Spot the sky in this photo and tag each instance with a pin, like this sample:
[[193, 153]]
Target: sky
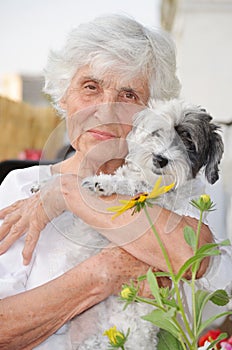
[[30, 28]]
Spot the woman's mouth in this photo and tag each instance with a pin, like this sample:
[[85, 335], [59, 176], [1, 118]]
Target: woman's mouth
[[101, 135]]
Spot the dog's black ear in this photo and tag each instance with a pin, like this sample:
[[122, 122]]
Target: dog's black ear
[[216, 149], [202, 141]]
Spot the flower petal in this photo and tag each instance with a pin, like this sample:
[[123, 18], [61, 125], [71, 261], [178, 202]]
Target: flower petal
[[140, 199], [157, 191]]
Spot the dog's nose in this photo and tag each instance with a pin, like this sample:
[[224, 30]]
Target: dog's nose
[[159, 161]]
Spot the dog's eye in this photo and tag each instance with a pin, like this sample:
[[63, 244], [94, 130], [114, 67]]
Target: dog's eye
[[159, 161]]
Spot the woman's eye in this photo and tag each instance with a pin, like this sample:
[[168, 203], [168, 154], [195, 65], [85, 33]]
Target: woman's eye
[[127, 95], [130, 95], [90, 87]]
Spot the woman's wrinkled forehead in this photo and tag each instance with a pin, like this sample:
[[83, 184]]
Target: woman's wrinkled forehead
[[122, 71]]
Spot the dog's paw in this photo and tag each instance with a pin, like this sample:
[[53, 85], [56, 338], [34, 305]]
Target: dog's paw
[[102, 185], [93, 185]]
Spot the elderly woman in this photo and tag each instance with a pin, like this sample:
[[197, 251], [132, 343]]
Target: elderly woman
[[108, 70]]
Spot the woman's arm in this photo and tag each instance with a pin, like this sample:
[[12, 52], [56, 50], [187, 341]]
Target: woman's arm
[[29, 318], [132, 233]]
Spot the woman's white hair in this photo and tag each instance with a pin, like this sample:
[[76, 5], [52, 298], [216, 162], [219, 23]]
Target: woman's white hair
[[115, 43]]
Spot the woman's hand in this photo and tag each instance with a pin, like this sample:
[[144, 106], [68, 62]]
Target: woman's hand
[[30, 216]]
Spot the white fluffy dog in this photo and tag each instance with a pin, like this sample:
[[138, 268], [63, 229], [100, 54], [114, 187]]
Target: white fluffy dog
[[176, 140]]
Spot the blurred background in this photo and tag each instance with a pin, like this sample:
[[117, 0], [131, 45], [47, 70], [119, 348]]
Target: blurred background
[[202, 30]]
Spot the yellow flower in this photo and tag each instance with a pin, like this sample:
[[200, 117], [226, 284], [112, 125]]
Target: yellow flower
[[140, 199], [126, 293], [205, 198], [203, 203], [112, 334]]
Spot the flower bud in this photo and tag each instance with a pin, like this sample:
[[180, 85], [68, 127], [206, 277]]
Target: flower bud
[[116, 338], [205, 198], [126, 293]]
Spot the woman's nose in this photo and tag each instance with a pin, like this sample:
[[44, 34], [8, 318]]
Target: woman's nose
[[109, 96], [107, 112]]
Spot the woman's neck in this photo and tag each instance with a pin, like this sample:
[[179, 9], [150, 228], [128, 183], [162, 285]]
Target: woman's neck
[[83, 167]]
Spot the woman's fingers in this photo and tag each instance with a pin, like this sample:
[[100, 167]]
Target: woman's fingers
[[37, 223], [8, 222], [18, 219], [11, 208], [11, 231], [13, 224], [39, 219], [31, 240]]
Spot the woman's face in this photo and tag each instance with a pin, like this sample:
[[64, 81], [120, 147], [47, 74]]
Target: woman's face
[[100, 109]]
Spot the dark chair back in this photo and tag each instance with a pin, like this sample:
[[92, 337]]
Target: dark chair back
[[8, 165]]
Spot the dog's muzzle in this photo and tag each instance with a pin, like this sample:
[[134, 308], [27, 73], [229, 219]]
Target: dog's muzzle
[[159, 161]]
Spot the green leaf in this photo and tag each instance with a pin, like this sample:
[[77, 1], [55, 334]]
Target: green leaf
[[195, 204], [142, 278], [207, 247], [190, 236], [167, 341], [172, 303], [220, 297], [196, 258], [153, 284], [224, 243], [162, 274], [210, 320], [157, 274], [163, 320], [201, 298], [164, 292]]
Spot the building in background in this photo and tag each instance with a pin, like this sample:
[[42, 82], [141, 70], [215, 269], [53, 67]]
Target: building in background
[[26, 88], [11, 86], [32, 93]]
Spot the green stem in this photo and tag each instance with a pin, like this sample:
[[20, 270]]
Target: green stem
[[146, 301], [183, 344], [184, 337], [169, 266], [194, 272], [165, 254], [198, 230]]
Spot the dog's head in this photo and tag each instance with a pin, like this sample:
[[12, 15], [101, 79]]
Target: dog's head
[[176, 140]]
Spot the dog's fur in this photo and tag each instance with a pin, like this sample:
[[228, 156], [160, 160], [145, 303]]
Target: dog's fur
[[176, 140]]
